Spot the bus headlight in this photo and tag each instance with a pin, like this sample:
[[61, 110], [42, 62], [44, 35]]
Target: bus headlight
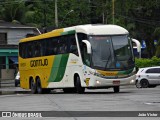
[[132, 81], [97, 81]]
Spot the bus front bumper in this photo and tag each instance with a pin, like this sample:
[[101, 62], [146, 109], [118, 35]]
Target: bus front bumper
[[96, 81]]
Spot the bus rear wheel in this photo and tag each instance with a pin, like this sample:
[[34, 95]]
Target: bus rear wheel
[[116, 89], [33, 87], [39, 87], [41, 90], [78, 86]]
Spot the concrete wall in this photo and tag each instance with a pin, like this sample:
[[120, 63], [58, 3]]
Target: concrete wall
[[7, 73], [14, 35]]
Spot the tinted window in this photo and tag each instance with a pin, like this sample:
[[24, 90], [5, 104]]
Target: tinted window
[[63, 45], [50, 46], [83, 48], [153, 70], [22, 50], [73, 45]]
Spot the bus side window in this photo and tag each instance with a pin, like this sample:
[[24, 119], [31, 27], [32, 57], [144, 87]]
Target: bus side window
[[29, 50], [83, 49], [54, 47], [62, 44], [85, 55], [73, 48], [55, 50], [43, 47], [62, 49], [22, 52], [36, 50], [73, 45], [51, 48]]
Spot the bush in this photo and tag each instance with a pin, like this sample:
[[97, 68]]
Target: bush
[[143, 62]]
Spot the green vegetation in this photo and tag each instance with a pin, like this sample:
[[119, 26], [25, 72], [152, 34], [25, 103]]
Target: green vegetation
[[140, 17], [143, 62]]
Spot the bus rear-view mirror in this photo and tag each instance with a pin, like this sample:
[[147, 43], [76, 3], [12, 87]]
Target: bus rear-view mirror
[[88, 44]]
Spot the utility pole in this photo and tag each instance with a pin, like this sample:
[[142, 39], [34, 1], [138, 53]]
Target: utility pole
[[44, 13], [113, 12], [56, 14]]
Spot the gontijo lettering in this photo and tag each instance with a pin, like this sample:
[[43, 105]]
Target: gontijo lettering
[[40, 62]]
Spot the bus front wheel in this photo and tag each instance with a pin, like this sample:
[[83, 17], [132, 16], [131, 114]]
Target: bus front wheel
[[33, 87], [116, 89], [78, 86]]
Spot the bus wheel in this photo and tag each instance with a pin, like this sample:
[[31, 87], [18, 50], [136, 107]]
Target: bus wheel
[[78, 86], [39, 87], [33, 87], [116, 89]]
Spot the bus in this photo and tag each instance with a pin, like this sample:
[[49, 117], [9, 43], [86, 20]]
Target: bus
[[76, 58]]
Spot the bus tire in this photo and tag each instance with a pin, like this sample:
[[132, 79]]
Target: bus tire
[[33, 87], [39, 87], [116, 89], [78, 86]]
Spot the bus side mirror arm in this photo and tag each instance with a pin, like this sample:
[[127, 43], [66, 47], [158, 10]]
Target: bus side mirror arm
[[88, 44], [138, 44]]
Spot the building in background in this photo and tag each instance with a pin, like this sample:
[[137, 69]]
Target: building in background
[[10, 34]]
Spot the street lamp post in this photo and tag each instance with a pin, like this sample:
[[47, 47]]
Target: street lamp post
[[56, 14], [113, 12], [44, 13], [66, 16]]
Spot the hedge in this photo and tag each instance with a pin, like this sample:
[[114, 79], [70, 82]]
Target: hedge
[[144, 62]]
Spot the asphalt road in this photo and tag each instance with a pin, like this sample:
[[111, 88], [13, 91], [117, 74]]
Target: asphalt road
[[99, 102]]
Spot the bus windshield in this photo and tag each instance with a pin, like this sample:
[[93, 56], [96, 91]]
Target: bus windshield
[[111, 52]]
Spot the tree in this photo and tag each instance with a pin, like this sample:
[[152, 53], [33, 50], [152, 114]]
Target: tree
[[141, 19], [81, 14], [35, 13], [157, 36], [39, 10], [13, 10]]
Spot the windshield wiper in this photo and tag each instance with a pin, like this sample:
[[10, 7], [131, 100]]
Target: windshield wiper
[[108, 59]]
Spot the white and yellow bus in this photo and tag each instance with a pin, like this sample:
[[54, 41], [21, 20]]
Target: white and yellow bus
[[78, 57]]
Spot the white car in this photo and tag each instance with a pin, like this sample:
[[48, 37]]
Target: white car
[[148, 77], [17, 79]]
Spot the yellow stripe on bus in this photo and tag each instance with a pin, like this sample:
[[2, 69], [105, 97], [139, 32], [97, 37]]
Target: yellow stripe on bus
[[107, 73], [43, 36]]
